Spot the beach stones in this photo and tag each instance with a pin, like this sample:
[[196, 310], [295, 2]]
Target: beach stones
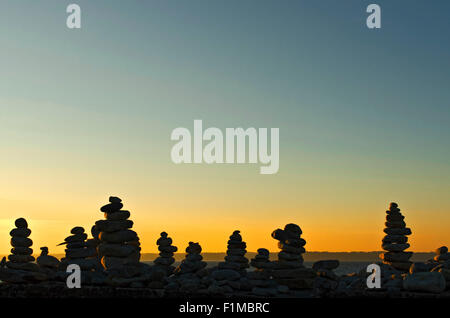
[[432, 282], [395, 241], [47, 261], [166, 250], [117, 244]]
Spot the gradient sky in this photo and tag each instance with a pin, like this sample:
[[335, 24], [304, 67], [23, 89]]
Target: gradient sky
[[363, 115]]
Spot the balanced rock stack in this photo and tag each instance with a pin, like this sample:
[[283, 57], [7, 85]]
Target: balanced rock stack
[[395, 242], [261, 260], [326, 280], [288, 269], [190, 272], [166, 250], [118, 246], [260, 279], [77, 251], [236, 251], [20, 267]]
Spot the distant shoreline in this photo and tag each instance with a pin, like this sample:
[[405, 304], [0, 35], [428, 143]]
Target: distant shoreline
[[308, 256]]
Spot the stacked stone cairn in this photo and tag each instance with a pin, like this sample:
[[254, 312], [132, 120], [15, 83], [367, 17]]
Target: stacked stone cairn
[[188, 275], [288, 269], [166, 250], [119, 247], [395, 241], [77, 251], [47, 263], [231, 275], [260, 279], [20, 267]]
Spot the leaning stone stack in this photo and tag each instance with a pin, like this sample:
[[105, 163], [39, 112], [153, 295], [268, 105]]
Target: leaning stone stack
[[395, 241], [118, 244], [20, 267], [77, 251], [289, 269], [188, 275], [166, 250]]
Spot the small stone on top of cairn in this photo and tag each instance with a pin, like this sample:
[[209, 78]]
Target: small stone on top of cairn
[[166, 250], [395, 242], [288, 269]]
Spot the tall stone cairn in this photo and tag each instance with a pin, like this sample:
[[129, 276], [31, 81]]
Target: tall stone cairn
[[395, 241], [166, 250], [118, 246], [289, 269], [236, 250]]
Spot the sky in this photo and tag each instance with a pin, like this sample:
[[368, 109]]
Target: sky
[[363, 116]]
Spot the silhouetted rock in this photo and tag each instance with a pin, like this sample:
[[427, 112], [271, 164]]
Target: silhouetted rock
[[289, 269], [166, 250], [395, 242], [77, 251], [20, 267]]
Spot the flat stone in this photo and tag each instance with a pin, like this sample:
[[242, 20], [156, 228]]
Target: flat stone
[[76, 238], [166, 241], [114, 199], [79, 253], [22, 250], [289, 256], [110, 262], [21, 223], [263, 251], [401, 239], [398, 231], [433, 282], [32, 267], [291, 249], [402, 266], [116, 250], [283, 264], [111, 207], [164, 261], [396, 256], [118, 216], [77, 230], [168, 249], [391, 247], [237, 259], [21, 241], [118, 237], [395, 225], [21, 258], [20, 232], [236, 252], [113, 226]]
